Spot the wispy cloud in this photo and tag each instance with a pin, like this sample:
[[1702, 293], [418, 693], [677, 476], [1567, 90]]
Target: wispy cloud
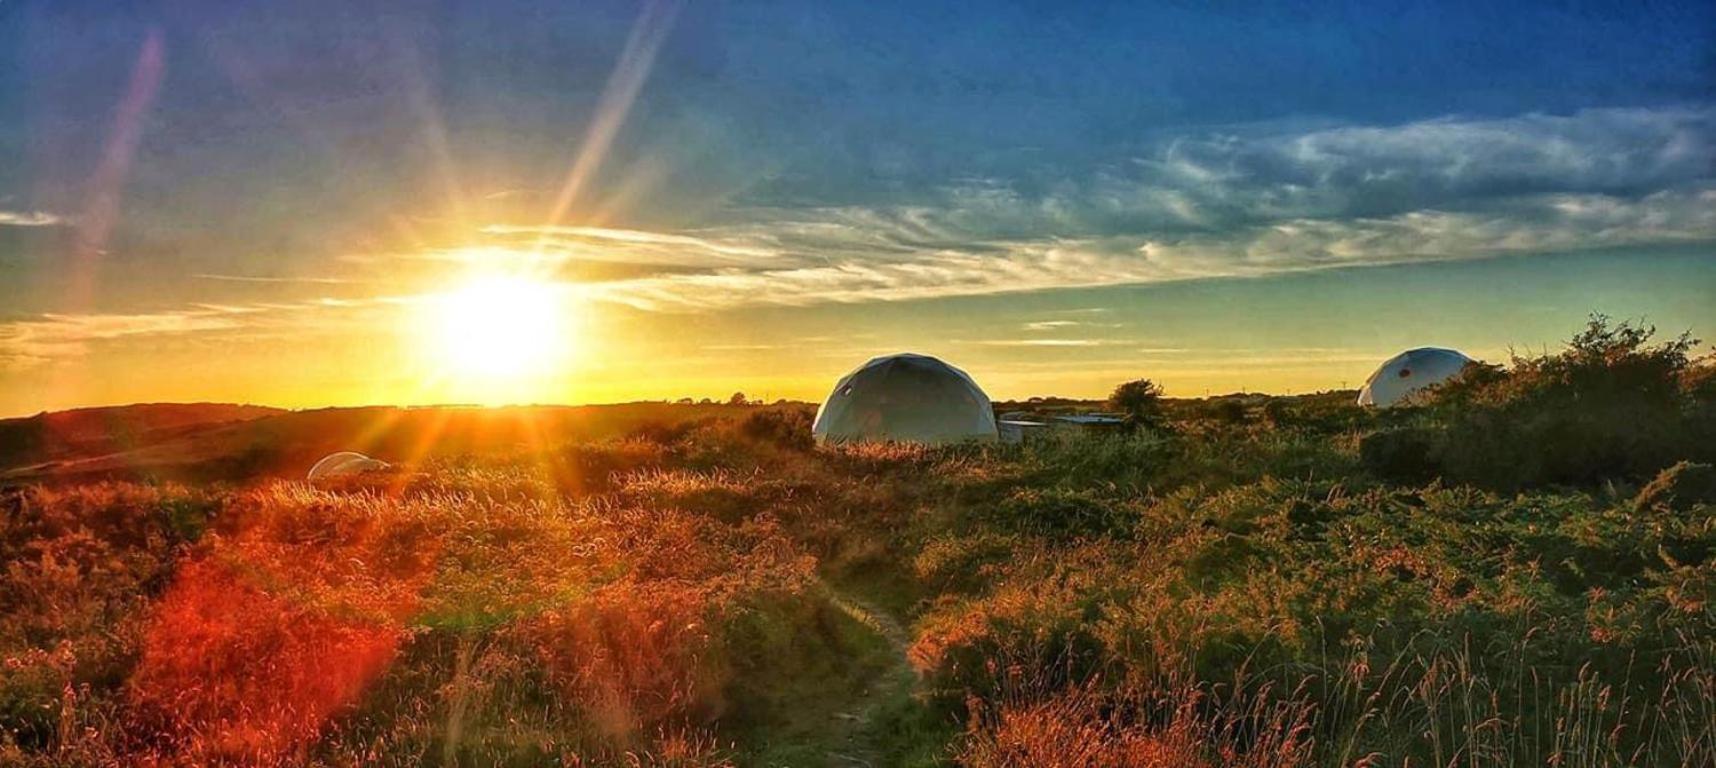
[[1235, 205], [1242, 204], [265, 279], [32, 219], [1540, 224], [1041, 342], [51, 337], [629, 243], [1050, 325]]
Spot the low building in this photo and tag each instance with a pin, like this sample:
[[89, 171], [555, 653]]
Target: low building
[[1017, 426], [1016, 430], [1097, 422]]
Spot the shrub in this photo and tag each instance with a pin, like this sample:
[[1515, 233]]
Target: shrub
[[228, 672], [1141, 403], [1061, 513], [1680, 487], [1611, 406], [1182, 727], [1277, 413], [786, 427], [81, 565], [1230, 411], [635, 657], [1402, 454]]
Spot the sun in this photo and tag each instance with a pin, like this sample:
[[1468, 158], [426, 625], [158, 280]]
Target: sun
[[499, 328]]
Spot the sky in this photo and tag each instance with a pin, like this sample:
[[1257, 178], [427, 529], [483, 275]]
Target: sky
[[290, 203]]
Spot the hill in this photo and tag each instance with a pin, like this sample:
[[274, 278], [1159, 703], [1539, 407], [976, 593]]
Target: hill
[[93, 431], [151, 442], [1477, 579]]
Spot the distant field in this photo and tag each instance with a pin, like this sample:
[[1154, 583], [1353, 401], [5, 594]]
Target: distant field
[[207, 442], [1520, 571]]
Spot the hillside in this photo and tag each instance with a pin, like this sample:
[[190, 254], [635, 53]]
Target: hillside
[[1478, 579], [119, 444], [85, 432]]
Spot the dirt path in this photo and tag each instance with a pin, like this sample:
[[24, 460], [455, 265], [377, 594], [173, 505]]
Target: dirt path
[[857, 742]]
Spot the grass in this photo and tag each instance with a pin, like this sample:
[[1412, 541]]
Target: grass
[[1246, 585]]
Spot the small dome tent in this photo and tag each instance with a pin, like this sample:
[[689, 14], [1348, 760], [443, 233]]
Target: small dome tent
[[342, 464], [905, 398], [1409, 372]]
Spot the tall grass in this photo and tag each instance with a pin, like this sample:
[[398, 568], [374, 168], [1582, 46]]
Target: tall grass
[[1262, 582]]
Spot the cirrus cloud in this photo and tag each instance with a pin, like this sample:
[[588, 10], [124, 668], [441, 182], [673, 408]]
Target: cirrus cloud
[[1243, 203], [32, 219]]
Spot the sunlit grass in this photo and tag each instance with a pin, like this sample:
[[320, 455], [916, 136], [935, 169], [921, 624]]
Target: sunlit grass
[[1225, 591]]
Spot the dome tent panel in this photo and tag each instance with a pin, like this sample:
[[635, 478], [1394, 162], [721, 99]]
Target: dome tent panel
[[1409, 372], [342, 464], [905, 398]]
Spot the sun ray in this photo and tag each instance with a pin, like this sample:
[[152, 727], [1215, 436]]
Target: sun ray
[[630, 72]]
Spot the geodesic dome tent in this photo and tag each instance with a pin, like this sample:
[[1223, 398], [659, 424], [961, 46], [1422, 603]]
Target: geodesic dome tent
[[1409, 372], [343, 464], [905, 398]]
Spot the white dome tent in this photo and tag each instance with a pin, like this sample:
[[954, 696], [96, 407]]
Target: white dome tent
[[1409, 372], [343, 464], [905, 398]]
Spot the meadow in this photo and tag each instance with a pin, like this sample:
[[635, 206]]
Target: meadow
[[1518, 570]]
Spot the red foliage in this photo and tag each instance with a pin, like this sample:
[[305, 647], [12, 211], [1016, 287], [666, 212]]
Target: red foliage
[[1165, 728], [228, 671]]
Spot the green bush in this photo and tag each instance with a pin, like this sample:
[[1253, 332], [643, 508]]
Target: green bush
[[1402, 454], [787, 427], [1680, 487], [1612, 406], [1062, 513]]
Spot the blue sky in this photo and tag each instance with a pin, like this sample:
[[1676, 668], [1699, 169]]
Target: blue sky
[[181, 181]]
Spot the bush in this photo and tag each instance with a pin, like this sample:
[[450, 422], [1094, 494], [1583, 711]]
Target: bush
[[785, 427], [1611, 406], [1680, 487], [1402, 454], [1277, 413], [1230, 411], [1141, 403], [1273, 594], [1180, 727], [1062, 513]]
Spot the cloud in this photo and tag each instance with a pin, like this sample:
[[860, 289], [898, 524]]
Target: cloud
[[1240, 204], [32, 219], [54, 336], [1050, 325], [1247, 202], [627, 244], [1526, 225], [50, 337], [1041, 342], [1243, 202], [1448, 163], [263, 279]]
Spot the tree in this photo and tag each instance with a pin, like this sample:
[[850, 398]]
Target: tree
[[1140, 401], [738, 398]]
